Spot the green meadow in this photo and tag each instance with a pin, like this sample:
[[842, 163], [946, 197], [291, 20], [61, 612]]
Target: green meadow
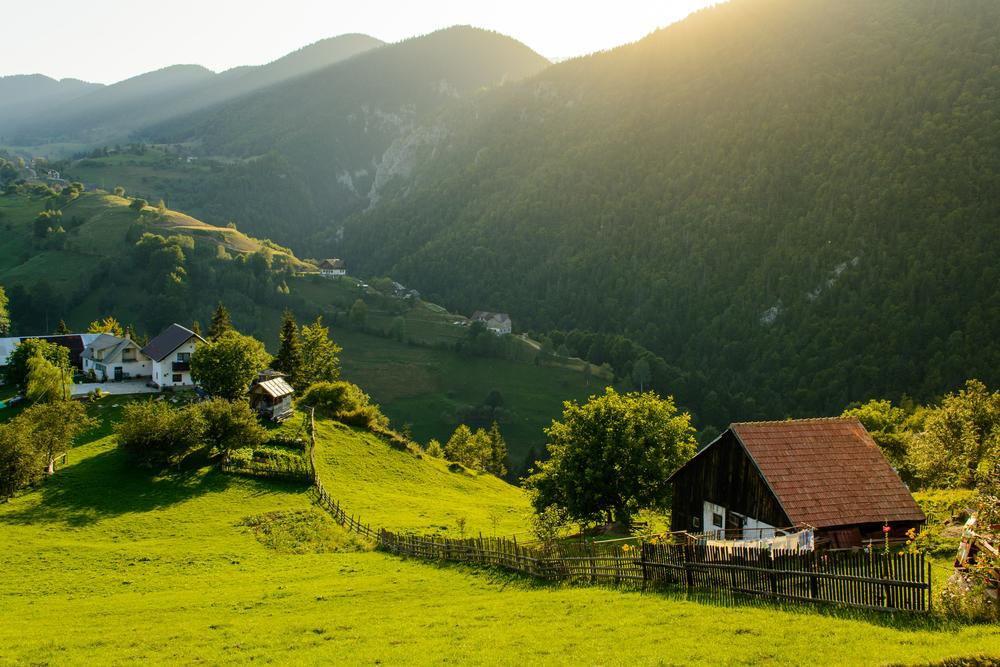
[[105, 564]]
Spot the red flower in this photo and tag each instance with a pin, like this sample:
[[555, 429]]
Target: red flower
[[886, 529]]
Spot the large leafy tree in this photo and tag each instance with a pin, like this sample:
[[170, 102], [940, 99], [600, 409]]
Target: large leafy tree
[[46, 382], [289, 359], [960, 440], [54, 425], [612, 456], [320, 355], [226, 366], [16, 370]]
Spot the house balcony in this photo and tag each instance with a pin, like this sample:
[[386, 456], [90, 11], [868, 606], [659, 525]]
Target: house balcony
[[180, 366]]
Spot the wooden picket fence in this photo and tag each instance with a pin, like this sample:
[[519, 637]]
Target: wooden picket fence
[[873, 580]]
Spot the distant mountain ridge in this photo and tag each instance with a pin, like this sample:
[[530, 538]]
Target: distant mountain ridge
[[111, 113]]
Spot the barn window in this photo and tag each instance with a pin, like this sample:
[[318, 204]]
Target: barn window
[[696, 521], [716, 519]]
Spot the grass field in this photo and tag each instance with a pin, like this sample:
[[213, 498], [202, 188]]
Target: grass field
[[106, 565], [394, 489]]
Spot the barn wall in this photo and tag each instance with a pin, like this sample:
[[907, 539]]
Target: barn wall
[[725, 475]]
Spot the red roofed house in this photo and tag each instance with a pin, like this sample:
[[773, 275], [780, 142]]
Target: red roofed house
[[824, 473]]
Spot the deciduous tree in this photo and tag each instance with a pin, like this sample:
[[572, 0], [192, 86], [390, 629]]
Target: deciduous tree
[[612, 456], [226, 366]]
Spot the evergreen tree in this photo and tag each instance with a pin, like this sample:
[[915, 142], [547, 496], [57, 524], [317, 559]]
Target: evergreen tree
[[497, 462], [62, 329], [289, 359], [221, 323], [196, 327]]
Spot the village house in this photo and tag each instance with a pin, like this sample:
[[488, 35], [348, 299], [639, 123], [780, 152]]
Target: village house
[[827, 474], [170, 356], [271, 396], [332, 268], [109, 357], [498, 323]]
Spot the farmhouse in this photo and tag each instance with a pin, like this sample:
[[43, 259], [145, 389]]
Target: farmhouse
[[824, 473], [332, 268], [498, 323], [271, 396], [110, 357], [170, 356]]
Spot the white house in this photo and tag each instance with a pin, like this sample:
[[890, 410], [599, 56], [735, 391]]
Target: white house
[[110, 357], [331, 268], [498, 323], [170, 356]]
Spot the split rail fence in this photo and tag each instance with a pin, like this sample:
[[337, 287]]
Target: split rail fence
[[873, 580]]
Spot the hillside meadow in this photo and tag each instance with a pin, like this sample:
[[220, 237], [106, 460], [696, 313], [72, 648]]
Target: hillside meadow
[[105, 564]]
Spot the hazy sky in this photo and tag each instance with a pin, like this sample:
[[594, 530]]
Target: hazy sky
[[110, 40]]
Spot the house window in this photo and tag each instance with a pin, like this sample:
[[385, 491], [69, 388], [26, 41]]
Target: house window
[[178, 378], [128, 355], [184, 357], [716, 519]]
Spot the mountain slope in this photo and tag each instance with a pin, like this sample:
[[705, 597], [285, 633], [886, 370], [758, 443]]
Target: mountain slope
[[344, 132], [794, 202], [110, 113], [27, 95]]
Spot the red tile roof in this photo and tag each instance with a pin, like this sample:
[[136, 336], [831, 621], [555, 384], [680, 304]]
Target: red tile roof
[[827, 472]]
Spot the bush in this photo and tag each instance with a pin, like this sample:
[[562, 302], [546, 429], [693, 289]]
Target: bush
[[346, 403], [229, 424], [968, 601]]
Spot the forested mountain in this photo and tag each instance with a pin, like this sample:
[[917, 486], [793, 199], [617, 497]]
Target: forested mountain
[[332, 140], [794, 202], [24, 95], [111, 113]]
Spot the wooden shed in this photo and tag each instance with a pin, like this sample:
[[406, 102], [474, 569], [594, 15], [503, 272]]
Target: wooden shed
[[271, 396], [824, 473]]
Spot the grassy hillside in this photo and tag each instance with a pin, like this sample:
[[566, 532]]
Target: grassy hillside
[[100, 550], [394, 489], [96, 272]]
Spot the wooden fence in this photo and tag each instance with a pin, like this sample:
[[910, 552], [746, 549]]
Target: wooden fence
[[872, 580]]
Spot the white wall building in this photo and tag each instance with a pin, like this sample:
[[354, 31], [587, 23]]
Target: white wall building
[[110, 357], [170, 356]]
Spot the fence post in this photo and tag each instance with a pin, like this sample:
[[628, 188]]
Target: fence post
[[642, 562], [688, 557]]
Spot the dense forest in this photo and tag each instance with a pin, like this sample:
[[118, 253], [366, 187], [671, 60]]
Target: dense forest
[[795, 203], [332, 140]]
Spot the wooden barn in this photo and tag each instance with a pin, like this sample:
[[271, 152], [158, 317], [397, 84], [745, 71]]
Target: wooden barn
[[825, 473], [271, 396]]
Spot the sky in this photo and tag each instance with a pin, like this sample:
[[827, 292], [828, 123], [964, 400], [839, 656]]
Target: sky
[[110, 40]]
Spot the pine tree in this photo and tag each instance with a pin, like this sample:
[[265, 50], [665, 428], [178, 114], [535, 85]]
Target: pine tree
[[289, 359], [221, 323], [62, 329], [496, 463], [196, 327]]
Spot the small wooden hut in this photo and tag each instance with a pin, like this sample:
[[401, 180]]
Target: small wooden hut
[[271, 396]]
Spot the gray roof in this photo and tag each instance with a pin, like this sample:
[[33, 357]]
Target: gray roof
[[172, 338], [110, 344], [275, 388], [332, 263]]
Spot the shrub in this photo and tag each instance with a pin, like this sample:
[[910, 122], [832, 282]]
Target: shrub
[[346, 403], [229, 424]]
